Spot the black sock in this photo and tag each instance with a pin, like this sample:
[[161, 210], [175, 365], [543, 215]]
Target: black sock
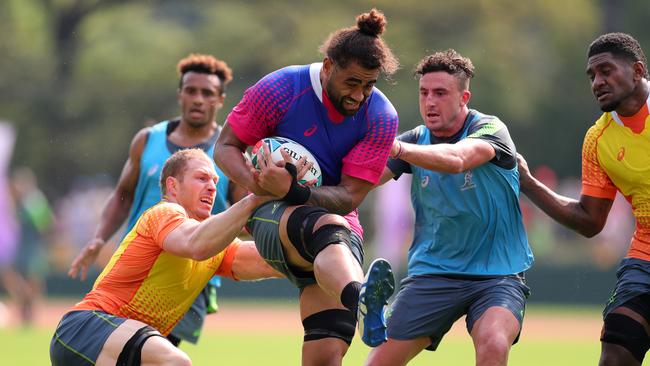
[[350, 296]]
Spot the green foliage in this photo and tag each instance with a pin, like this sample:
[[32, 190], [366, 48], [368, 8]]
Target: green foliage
[[79, 78]]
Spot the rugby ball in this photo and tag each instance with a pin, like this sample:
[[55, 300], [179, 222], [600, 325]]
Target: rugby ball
[[295, 150]]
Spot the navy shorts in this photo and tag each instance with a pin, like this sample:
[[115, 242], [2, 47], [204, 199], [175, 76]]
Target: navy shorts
[[427, 306], [633, 276], [264, 227], [80, 337]]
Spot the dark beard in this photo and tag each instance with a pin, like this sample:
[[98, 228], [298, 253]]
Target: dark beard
[[609, 107], [337, 102]]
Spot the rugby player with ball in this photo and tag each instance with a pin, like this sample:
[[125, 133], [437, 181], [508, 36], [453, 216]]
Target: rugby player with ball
[[312, 234]]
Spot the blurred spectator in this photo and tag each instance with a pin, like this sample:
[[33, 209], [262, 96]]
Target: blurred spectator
[[8, 226], [393, 225], [539, 227], [74, 225], [24, 278]]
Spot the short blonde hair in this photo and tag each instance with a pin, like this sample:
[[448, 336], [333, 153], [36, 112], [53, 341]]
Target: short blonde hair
[[176, 164]]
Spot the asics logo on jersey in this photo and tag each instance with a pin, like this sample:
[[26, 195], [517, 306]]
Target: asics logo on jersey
[[425, 181], [468, 184], [153, 170], [311, 130]]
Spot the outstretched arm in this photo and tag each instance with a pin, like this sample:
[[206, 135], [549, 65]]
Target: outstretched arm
[[115, 210], [586, 216], [202, 240], [447, 158]]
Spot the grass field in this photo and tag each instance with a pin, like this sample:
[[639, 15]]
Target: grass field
[[552, 336]]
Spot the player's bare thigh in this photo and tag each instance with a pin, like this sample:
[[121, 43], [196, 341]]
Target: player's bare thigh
[[496, 321], [396, 352], [291, 254]]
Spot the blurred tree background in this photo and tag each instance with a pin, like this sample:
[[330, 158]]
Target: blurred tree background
[[78, 78]]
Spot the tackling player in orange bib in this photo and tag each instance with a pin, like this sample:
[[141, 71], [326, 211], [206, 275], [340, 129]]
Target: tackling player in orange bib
[[158, 270], [615, 157]]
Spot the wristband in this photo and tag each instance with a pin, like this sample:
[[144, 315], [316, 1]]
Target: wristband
[[298, 194]]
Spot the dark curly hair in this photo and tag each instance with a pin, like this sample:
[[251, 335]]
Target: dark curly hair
[[620, 45], [205, 64], [362, 43], [448, 61]]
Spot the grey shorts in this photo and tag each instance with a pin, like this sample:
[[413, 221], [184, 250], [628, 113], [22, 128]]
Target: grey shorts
[[264, 227], [190, 325], [80, 337], [633, 280], [427, 306]]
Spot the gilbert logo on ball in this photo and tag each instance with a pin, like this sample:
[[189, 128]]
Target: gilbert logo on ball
[[295, 150]]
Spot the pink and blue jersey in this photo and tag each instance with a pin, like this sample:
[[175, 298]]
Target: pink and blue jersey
[[292, 103]]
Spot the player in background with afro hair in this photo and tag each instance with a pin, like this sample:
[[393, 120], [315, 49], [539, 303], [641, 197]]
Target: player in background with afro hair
[[201, 93]]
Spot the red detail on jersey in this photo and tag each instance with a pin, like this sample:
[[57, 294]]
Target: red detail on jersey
[[311, 130], [332, 113], [636, 123]]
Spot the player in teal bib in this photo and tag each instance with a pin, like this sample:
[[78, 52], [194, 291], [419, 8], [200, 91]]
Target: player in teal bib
[[469, 250], [157, 149], [467, 223]]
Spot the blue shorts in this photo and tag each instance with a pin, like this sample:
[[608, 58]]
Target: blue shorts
[[633, 276], [427, 306], [80, 337], [264, 227]]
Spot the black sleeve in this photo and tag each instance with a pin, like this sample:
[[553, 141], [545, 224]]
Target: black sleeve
[[495, 132], [397, 166]]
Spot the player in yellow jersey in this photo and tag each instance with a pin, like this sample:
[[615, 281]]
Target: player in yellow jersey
[[615, 157], [159, 268]]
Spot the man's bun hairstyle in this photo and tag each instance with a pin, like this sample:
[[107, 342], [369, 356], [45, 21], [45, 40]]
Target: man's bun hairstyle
[[363, 44], [372, 24]]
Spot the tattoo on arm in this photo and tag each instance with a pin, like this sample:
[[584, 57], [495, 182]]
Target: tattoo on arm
[[335, 199]]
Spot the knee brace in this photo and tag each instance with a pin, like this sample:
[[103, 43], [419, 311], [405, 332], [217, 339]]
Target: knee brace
[[130, 355], [626, 332], [300, 229], [333, 323], [640, 305]]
